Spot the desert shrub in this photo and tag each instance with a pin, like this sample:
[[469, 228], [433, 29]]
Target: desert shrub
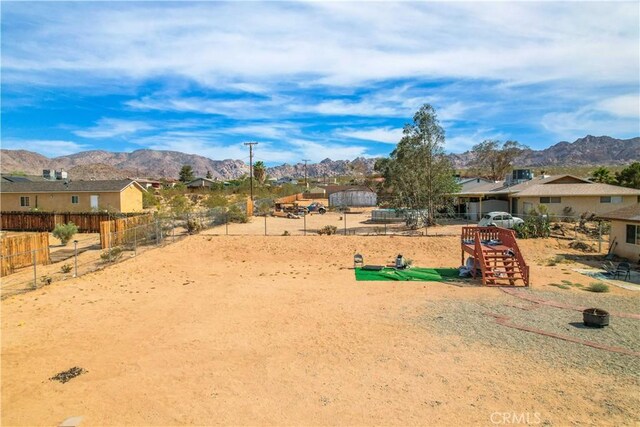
[[558, 259], [598, 287], [215, 200], [66, 268], [286, 233], [111, 255], [536, 224], [581, 246], [568, 214], [584, 218], [235, 214], [180, 205], [570, 283], [65, 232], [194, 225], [328, 230], [149, 200], [46, 280], [561, 286]]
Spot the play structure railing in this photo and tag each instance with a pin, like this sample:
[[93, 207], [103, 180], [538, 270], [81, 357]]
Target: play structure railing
[[474, 237], [508, 238], [478, 260], [482, 233]]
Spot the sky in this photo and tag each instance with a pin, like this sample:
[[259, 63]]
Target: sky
[[313, 80]]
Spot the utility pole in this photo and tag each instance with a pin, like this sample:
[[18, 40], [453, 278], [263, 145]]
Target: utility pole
[[305, 172], [251, 144]]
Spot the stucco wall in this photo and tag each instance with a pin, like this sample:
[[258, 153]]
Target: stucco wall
[[60, 202], [623, 249], [131, 199], [579, 204]]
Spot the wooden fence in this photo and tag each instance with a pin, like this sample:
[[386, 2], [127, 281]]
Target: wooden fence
[[17, 251], [117, 232], [289, 199], [87, 222], [249, 206]]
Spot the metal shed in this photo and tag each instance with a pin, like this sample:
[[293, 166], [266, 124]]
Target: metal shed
[[356, 198]]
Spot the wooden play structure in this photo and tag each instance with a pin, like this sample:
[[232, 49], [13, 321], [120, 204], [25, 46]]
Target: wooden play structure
[[496, 254]]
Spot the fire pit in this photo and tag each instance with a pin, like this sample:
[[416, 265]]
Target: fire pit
[[595, 317]]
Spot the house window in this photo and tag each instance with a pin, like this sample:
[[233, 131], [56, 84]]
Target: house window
[[611, 199], [547, 200], [633, 234], [75, 200], [24, 201]]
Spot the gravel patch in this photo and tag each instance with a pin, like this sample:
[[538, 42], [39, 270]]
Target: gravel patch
[[470, 321], [579, 297]]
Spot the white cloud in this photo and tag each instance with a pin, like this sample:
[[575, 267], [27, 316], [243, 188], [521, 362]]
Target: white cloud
[[465, 141], [317, 151], [235, 108], [257, 44], [386, 135], [589, 120], [622, 106], [109, 128], [263, 130], [343, 108], [49, 148]]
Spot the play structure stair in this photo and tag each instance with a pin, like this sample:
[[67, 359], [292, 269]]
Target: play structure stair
[[496, 256]]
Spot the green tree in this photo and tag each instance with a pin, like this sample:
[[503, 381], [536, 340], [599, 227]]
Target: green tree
[[494, 159], [209, 176], [603, 175], [149, 200], [629, 176], [180, 205], [418, 174], [215, 200], [186, 174], [65, 232], [259, 172]]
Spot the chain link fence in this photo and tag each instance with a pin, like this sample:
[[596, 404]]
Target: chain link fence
[[87, 255], [588, 234]]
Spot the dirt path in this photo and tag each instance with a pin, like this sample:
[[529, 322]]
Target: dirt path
[[254, 330]]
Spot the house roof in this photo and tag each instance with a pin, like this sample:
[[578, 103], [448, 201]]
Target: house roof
[[630, 213], [107, 186], [590, 189], [21, 178], [557, 185], [202, 179]]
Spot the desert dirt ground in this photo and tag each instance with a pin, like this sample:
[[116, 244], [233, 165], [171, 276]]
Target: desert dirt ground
[[252, 330]]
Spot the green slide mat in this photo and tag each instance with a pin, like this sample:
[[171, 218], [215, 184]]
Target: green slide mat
[[411, 274]]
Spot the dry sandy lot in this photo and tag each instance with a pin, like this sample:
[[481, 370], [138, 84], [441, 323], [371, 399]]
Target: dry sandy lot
[[275, 330]]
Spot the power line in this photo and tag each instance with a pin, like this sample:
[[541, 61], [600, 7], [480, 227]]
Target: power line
[[251, 144]]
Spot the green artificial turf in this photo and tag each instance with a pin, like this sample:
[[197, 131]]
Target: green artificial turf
[[412, 274]]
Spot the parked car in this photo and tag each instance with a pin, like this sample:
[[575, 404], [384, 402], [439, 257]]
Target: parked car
[[500, 219]]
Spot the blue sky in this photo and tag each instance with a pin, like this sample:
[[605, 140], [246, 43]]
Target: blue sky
[[315, 79]]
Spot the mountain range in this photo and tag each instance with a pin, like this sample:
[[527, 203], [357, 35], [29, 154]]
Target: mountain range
[[590, 150]]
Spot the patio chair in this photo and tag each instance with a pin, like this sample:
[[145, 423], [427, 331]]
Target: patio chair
[[624, 269], [609, 268], [358, 261]]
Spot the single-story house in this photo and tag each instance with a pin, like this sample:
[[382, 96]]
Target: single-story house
[[625, 232], [286, 180], [316, 190], [72, 196], [148, 183], [200, 183], [563, 195]]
